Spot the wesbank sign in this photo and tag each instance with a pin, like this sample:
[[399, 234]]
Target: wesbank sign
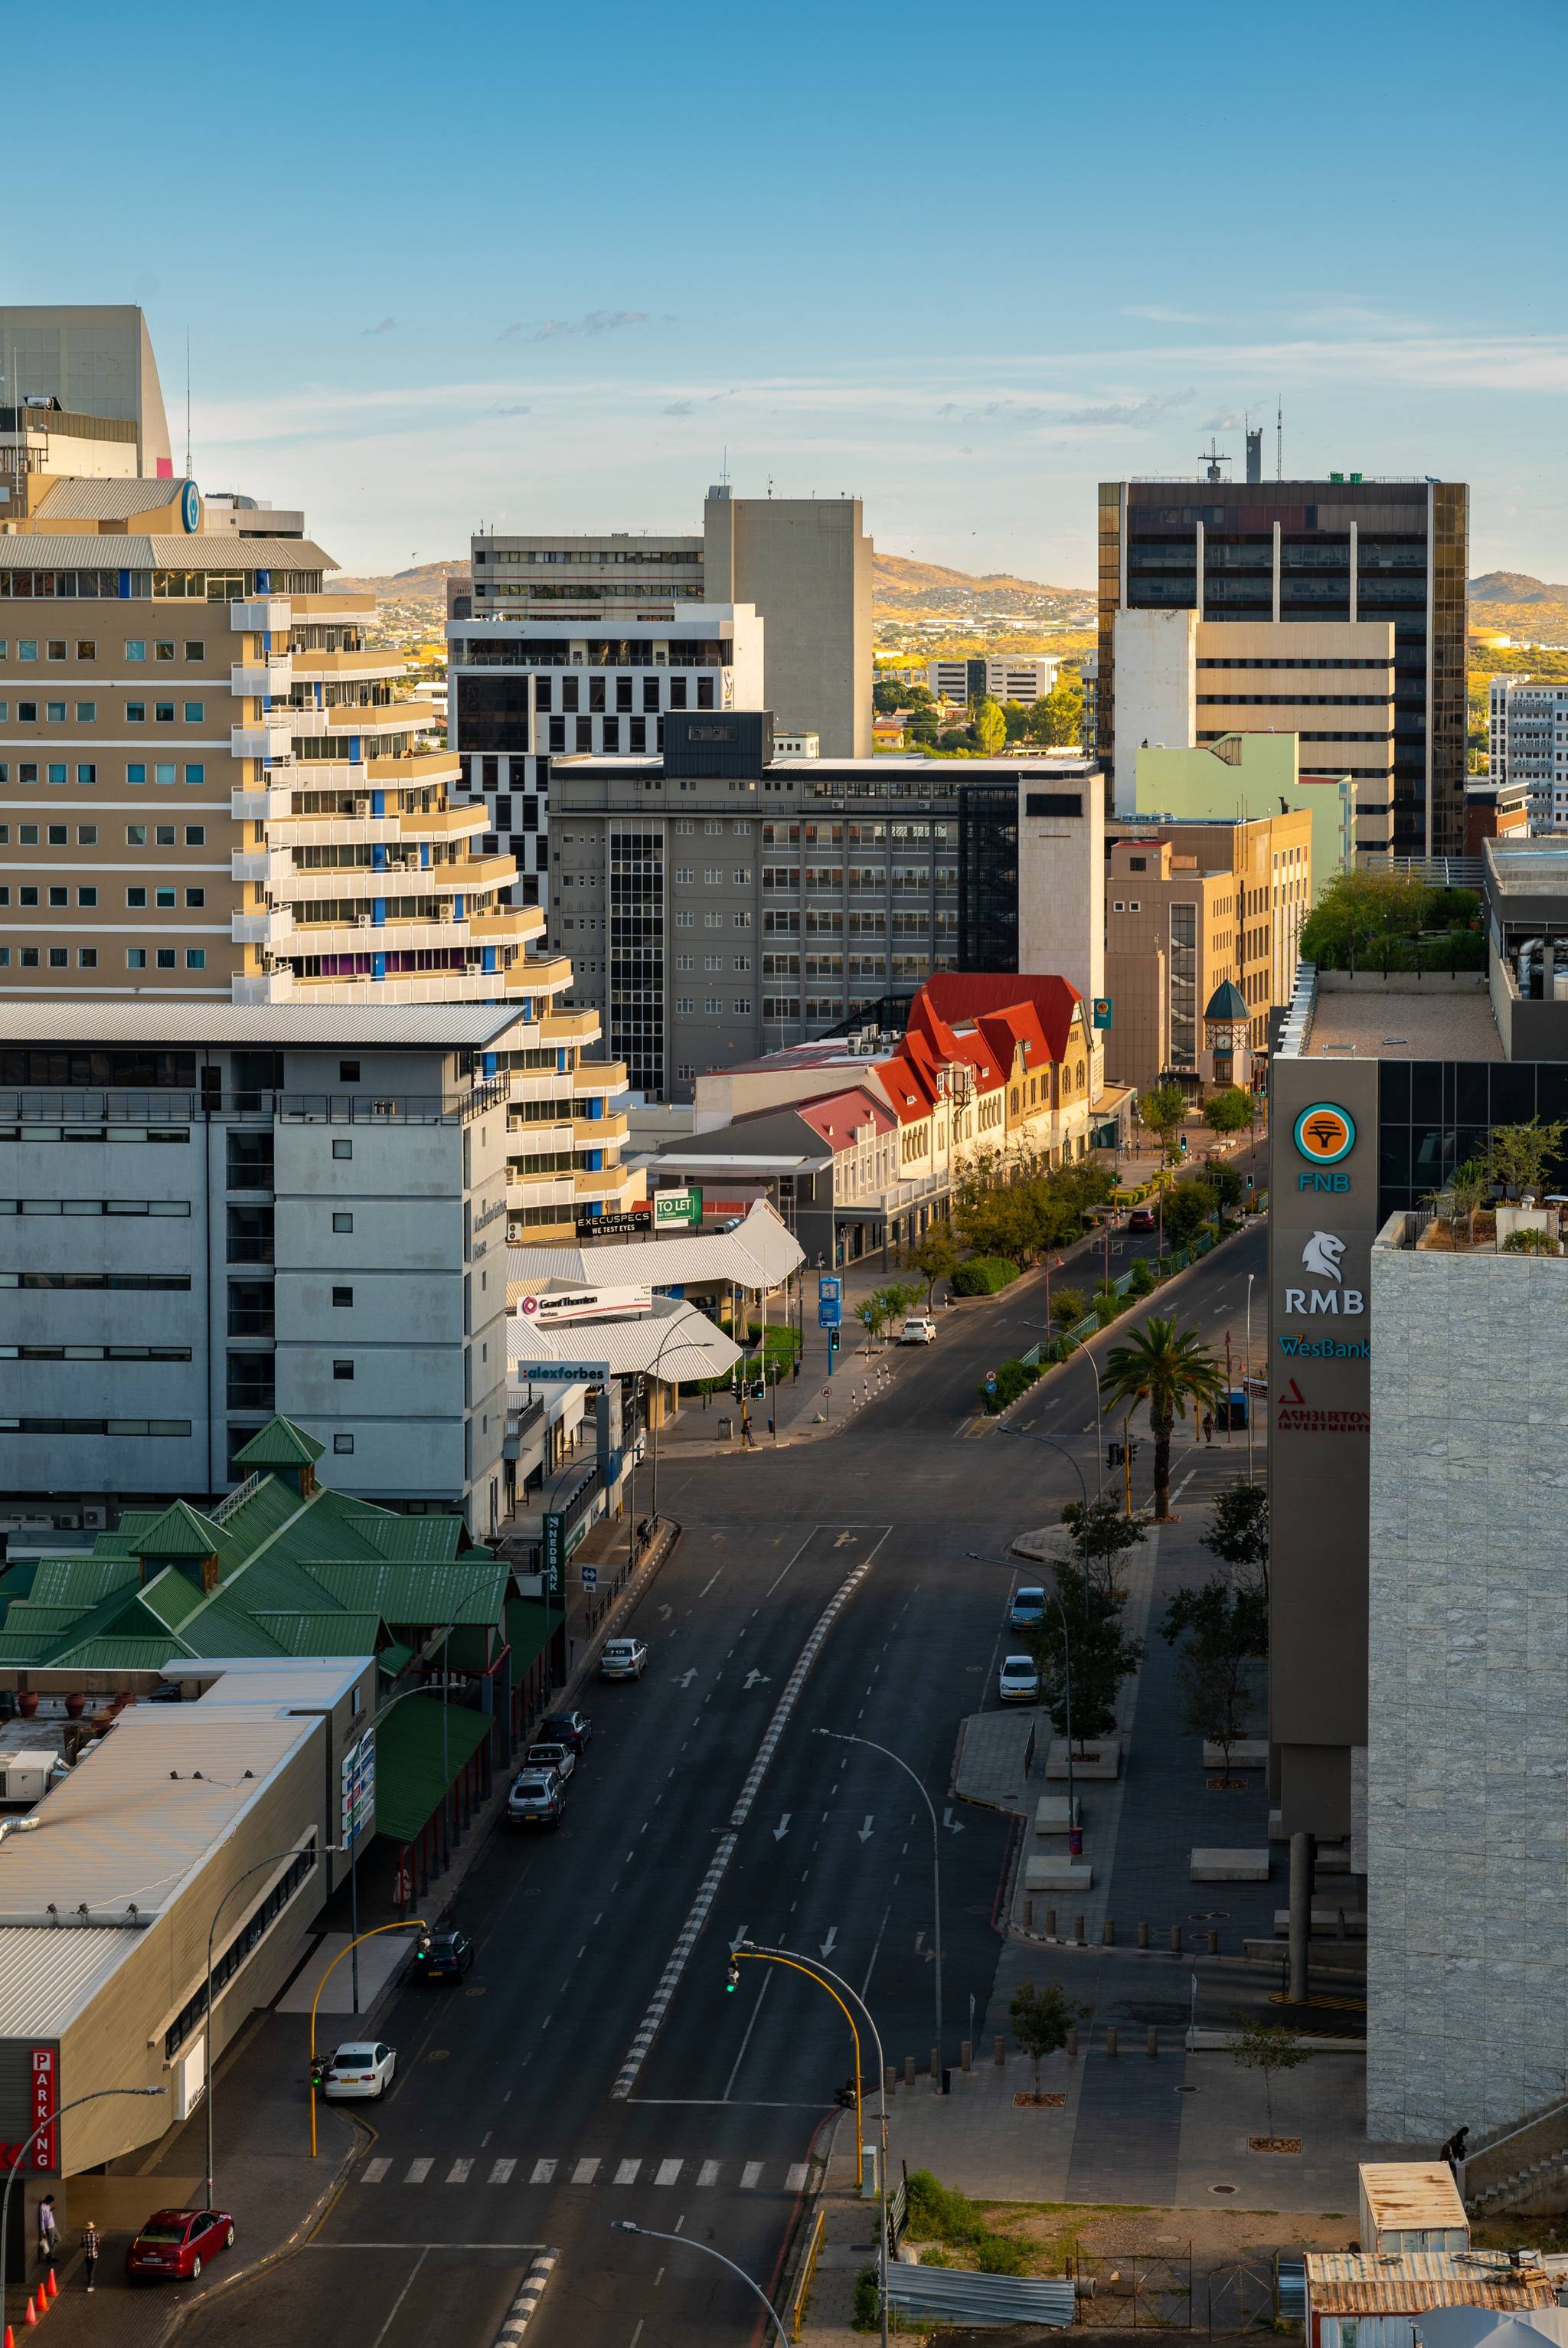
[[1327, 1349]]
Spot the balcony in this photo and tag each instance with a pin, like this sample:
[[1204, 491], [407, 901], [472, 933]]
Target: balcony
[[262, 680], [612, 1182], [262, 614], [536, 1141], [444, 823], [377, 661], [333, 611], [264, 866], [440, 986], [542, 1190], [274, 926], [265, 987], [261, 806], [417, 766], [606, 1076], [601, 1132], [268, 738], [569, 1028]]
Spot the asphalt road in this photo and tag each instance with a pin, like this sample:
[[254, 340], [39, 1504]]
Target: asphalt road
[[594, 2066]]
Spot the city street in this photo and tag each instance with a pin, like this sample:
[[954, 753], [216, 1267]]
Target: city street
[[593, 2066]]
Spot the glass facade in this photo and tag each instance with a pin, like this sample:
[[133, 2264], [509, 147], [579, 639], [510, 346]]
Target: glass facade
[[988, 876], [1434, 1114], [636, 1021]]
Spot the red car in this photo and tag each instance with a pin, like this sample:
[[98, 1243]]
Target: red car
[[1142, 1219], [174, 2245]]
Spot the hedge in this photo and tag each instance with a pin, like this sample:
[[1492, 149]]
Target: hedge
[[983, 1276]]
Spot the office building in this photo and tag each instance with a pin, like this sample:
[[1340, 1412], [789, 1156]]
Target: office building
[[523, 693], [784, 582], [1031, 866], [1183, 683], [1016, 678], [1527, 737], [63, 361], [1248, 774], [1494, 809], [717, 902], [1333, 554]]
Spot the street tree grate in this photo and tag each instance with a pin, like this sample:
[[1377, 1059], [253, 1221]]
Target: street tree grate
[[1050, 2103], [1273, 2144]]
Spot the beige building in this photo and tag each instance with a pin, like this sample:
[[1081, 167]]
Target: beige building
[[85, 363], [1188, 907]]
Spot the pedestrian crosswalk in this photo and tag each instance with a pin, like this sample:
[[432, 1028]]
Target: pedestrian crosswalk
[[746, 2176]]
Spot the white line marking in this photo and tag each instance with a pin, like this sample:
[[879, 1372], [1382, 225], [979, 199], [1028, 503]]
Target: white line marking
[[669, 2172], [795, 2182], [459, 2172], [749, 2175], [401, 2295], [709, 2173], [501, 2174], [418, 2170], [627, 2172], [375, 2170], [585, 2172], [767, 1984], [543, 2172]]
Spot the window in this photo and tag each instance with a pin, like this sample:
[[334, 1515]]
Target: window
[[87, 958], [29, 957], [343, 1149], [56, 711], [59, 957], [27, 713], [58, 835], [88, 897], [195, 898], [194, 957], [27, 772], [60, 896], [136, 957], [135, 649], [86, 835], [195, 774], [86, 648], [135, 774], [683, 920], [194, 651], [194, 712], [56, 648], [163, 775], [164, 899], [713, 1006], [87, 713], [163, 650], [743, 921], [341, 1222], [342, 1443], [135, 898], [136, 713], [163, 958], [684, 1005], [343, 1296], [348, 1072], [196, 835], [744, 1006], [163, 713], [57, 771], [163, 835], [342, 1370]]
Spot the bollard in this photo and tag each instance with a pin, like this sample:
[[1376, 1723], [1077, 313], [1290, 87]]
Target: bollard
[[1175, 1940], [908, 2070], [1109, 1934], [1028, 1915], [936, 2066], [1214, 1941], [1111, 2038], [965, 2056], [1153, 2039], [1051, 1923], [1071, 2042], [1144, 1935], [889, 2079], [998, 2051], [1078, 1931]]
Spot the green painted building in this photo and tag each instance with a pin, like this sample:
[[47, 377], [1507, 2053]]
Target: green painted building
[[1254, 774]]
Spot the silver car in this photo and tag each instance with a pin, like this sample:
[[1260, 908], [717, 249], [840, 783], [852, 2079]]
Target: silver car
[[1018, 1681]]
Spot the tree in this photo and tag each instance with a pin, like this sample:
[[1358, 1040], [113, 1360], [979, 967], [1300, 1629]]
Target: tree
[[1218, 1627], [1469, 1188], [1042, 2019], [1068, 1307], [1102, 1538], [1224, 1183], [1015, 717], [1530, 1242], [1167, 1370], [991, 725], [1188, 1206], [1162, 1110], [1519, 1155], [1269, 2047], [885, 1304], [934, 1257], [1100, 1652], [1359, 910], [1238, 1536], [1056, 720], [1228, 1111]]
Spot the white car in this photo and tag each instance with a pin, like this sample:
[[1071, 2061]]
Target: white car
[[623, 1659], [919, 1329], [360, 2072], [1018, 1681], [557, 1758]]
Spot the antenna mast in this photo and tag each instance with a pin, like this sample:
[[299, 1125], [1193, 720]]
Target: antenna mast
[[1279, 442], [186, 403]]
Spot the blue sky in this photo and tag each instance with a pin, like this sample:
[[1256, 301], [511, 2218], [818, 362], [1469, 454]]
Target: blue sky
[[546, 266]]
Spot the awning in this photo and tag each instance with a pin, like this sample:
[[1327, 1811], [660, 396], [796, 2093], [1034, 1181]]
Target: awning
[[529, 1626], [409, 1778]]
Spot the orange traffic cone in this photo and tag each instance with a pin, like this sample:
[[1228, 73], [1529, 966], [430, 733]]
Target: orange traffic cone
[[30, 2317], [54, 2286], [10, 2337]]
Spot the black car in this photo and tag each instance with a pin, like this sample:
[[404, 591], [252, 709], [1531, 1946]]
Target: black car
[[443, 1956], [573, 1728]]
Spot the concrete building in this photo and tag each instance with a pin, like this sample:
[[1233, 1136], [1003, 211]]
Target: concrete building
[[1494, 810], [321, 1195], [1018, 677], [1185, 682], [84, 360], [523, 692], [1324, 555], [768, 606], [1528, 734], [1248, 775], [1031, 850], [718, 901]]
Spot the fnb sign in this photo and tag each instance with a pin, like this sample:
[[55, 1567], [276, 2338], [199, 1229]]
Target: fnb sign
[[45, 2106]]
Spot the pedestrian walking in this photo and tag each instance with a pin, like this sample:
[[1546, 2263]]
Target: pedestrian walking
[[1453, 2150], [92, 2243], [1208, 1427], [48, 2230]]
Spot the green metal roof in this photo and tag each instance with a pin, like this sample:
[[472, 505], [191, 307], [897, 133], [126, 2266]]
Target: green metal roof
[[171, 1597], [281, 1443], [394, 1659], [409, 1541], [418, 1594], [83, 1581], [325, 1633], [179, 1532], [123, 1654], [409, 1777], [41, 1621]]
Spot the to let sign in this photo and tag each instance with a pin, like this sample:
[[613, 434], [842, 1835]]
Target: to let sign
[[45, 2105]]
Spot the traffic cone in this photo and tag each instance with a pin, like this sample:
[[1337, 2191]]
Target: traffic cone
[[10, 2337], [29, 2317], [54, 2286]]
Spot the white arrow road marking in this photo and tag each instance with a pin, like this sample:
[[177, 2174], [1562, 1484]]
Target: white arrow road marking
[[844, 1541], [687, 1678], [827, 1944], [781, 1829], [665, 1612], [755, 1679], [951, 1823], [863, 1833]]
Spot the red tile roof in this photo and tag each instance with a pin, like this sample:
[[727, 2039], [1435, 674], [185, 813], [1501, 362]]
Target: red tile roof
[[959, 995], [839, 1116]]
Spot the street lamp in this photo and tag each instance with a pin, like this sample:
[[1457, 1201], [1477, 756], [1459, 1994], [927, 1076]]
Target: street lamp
[[687, 1346], [842, 1737], [1248, 1380], [688, 2242], [43, 2128]]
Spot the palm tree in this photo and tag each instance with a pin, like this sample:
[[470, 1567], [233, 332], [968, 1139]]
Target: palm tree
[[1167, 1371]]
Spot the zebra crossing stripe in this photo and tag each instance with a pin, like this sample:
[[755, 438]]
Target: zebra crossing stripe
[[544, 2171], [795, 2182], [749, 2175], [529, 2296], [669, 2172], [459, 2172], [709, 2173], [373, 2171], [627, 2172], [501, 2174], [591, 2170], [585, 2172], [418, 2170]]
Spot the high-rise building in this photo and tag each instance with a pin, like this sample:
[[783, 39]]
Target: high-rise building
[[1528, 740], [89, 360], [1016, 677], [1324, 555], [769, 606]]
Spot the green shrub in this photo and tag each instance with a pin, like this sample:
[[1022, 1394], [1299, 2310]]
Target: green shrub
[[936, 2213], [1068, 1305], [1013, 1378], [1107, 1304], [867, 2301], [1144, 1279], [1529, 1241], [983, 1276]]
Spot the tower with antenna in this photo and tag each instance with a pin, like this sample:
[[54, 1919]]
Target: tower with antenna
[[1279, 442], [1213, 460]]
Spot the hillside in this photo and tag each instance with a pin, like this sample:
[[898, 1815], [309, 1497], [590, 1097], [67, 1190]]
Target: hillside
[[1512, 603]]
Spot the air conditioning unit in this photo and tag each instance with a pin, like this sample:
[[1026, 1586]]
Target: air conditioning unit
[[95, 1520], [362, 808]]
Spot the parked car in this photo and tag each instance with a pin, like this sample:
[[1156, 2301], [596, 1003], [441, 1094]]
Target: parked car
[[537, 1800], [573, 1728], [546, 1755], [1028, 1608], [1018, 1681], [443, 1956], [360, 2072], [174, 2245], [919, 1329], [1142, 1218], [623, 1659]]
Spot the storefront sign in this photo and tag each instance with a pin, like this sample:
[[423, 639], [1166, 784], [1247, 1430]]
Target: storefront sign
[[1325, 1133], [1102, 1011], [678, 1206], [1297, 1415], [585, 1304], [357, 1789], [46, 2064], [634, 1226], [1328, 1349]]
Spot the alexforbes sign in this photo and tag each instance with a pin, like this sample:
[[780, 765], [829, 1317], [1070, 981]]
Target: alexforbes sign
[[677, 1207]]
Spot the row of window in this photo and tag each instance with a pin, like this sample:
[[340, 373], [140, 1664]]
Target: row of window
[[95, 1353], [116, 1426], [86, 713], [135, 898], [165, 772], [58, 835], [713, 921], [39, 1133], [137, 1282], [86, 648], [59, 958], [176, 1207], [713, 1006]]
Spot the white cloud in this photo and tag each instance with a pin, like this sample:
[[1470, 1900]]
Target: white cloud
[[1164, 317]]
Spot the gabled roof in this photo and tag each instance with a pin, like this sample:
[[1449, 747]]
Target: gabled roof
[[281, 1443], [179, 1532], [839, 1116], [960, 994]]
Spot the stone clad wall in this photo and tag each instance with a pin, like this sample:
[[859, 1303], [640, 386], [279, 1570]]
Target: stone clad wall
[[1467, 1650]]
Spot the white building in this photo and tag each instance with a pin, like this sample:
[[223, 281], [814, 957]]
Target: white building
[[1528, 739], [1014, 677]]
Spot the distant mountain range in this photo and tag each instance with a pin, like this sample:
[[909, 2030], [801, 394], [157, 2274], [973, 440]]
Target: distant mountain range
[[1512, 603]]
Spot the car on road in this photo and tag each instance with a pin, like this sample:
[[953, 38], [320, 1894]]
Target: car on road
[[360, 2072], [623, 1659], [537, 1800], [573, 1728], [1028, 1608], [1018, 1681], [919, 1329], [1142, 1218], [443, 1956], [548, 1754], [174, 2245]]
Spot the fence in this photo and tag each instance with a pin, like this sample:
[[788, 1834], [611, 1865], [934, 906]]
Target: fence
[[802, 2292]]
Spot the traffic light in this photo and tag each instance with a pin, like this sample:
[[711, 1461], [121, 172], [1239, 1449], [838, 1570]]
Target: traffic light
[[733, 1977], [832, 1343]]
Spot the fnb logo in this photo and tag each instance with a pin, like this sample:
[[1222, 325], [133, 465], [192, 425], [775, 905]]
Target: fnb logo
[[1325, 1133]]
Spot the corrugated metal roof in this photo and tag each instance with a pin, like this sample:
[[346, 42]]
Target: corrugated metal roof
[[396, 1026], [322, 1634], [1352, 2283], [47, 1975], [82, 1582], [762, 1250], [630, 1348], [419, 1593], [138, 551], [409, 1778], [413, 1541], [106, 501], [1411, 2194], [115, 1652]]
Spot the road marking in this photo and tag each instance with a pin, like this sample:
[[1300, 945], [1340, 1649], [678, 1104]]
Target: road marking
[[875, 1946], [709, 2173], [375, 2170], [783, 1828], [627, 2172], [795, 2182], [675, 1966], [709, 1584], [418, 2170], [501, 2174], [585, 2172], [459, 2172], [749, 2175], [543, 2172], [827, 1944], [401, 2295], [669, 2172], [638, 2333], [863, 1833], [751, 2025]]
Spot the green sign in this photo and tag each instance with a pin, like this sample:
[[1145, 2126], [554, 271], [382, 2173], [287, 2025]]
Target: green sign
[[678, 1206]]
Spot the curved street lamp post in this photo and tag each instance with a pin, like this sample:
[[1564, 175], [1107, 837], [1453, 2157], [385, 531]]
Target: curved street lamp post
[[842, 1737], [688, 2242]]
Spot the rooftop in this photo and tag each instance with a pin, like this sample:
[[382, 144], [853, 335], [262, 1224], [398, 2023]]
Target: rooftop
[[395, 1027], [205, 550], [1446, 1023], [1358, 2282]]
